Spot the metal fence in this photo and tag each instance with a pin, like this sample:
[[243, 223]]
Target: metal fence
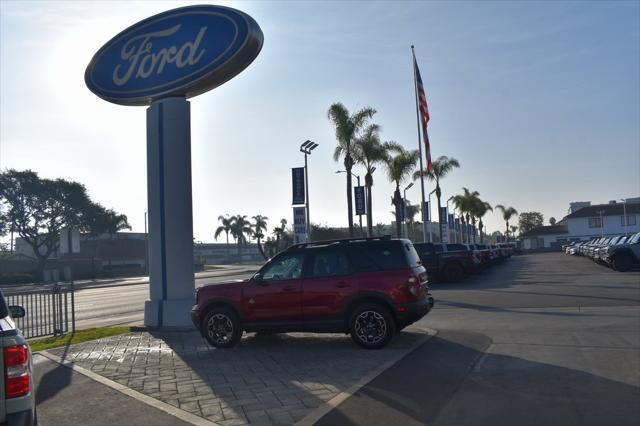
[[50, 309]]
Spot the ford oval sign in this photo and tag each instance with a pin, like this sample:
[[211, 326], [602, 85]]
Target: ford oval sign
[[181, 52]]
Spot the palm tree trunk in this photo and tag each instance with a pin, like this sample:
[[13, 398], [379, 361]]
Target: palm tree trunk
[[369, 183], [438, 194], [348, 164], [507, 234], [397, 200], [480, 227]]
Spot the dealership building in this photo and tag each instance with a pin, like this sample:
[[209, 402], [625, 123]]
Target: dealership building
[[585, 221]]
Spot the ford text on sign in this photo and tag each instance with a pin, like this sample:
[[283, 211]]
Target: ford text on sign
[[181, 52]]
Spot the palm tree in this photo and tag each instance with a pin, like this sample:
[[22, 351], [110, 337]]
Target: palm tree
[[368, 151], [507, 214], [279, 231], [347, 127], [225, 227], [513, 230], [410, 212], [441, 167], [240, 229], [464, 203], [380, 227], [480, 208], [260, 225], [399, 167]]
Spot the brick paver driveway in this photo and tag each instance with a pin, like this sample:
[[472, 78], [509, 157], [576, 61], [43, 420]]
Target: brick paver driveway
[[264, 380]]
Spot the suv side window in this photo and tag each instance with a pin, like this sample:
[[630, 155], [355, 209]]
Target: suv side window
[[285, 267], [328, 263], [378, 257]]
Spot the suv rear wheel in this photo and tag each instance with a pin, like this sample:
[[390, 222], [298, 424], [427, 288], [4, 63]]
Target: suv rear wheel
[[622, 262], [371, 326], [221, 327]]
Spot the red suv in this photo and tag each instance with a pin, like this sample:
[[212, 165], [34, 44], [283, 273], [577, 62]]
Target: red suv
[[369, 288]]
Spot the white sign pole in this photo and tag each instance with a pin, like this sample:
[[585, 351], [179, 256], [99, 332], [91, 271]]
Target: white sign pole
[[171, 281]]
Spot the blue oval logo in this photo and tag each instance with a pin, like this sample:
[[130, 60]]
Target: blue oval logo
[[181, 52]]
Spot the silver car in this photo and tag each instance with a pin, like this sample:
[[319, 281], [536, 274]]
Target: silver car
[[17, 395]]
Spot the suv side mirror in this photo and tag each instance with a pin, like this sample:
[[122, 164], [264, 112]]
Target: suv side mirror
[[17, 311], [258, 279]]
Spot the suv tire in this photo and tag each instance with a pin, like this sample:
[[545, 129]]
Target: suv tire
[[371, 326], [622, 262], [453, 272], [221, 327]]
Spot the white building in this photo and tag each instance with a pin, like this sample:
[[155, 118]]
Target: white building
[[586, 221]]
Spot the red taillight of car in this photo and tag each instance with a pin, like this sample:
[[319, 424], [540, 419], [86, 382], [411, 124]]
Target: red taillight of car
[[413, 285], [16, 371]]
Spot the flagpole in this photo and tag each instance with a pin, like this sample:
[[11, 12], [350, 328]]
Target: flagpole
[[415, 87]]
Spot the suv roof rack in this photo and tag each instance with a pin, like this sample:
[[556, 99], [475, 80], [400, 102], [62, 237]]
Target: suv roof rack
[[337, 241]]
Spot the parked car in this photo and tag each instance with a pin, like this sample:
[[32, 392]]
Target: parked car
[[369, 288], [449, 262], [622, 257], [17, 396]]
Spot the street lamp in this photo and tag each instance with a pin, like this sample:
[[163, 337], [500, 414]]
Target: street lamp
[[358, 179], [404, 207], [624, 221], [306, 148]]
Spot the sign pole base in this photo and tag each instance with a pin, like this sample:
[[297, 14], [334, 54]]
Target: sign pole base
[[171, 280]]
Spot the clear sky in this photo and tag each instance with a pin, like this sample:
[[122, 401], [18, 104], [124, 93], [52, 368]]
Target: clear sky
[[539, 101]]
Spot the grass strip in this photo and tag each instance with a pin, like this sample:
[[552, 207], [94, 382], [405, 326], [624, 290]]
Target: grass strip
[[78, 337]]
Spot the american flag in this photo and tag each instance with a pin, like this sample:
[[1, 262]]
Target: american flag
[[424, 114]]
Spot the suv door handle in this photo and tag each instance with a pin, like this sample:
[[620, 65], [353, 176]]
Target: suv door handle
[[342, 285]]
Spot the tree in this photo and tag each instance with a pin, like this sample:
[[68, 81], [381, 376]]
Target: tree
[[279, 232], [260, 225], [369, 151], [552, 221], [464, 203], [513, 230], [240, 229], [479, 209], [38, 209], [529, 221], [410, 212], [347, 128], [441, 168], [225, 227], [380, 229], [399, 167], [507, 214]]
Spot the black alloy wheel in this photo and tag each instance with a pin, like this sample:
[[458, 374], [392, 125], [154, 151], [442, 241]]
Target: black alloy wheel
[[371, 326], [221, 327]]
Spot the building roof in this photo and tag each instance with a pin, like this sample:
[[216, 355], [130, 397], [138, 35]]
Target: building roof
[[545, 230], [616, 209]]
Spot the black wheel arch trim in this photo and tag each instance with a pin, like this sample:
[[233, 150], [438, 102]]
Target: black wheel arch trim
[[219, 302], [368, 297]]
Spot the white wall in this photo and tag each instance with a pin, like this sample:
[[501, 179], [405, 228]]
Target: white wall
[[579, 227]]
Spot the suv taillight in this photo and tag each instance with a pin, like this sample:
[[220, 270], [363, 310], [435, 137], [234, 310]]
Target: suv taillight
[[16, 371], [414, 286]]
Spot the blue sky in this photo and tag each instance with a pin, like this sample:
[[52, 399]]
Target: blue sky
[[539, 101]]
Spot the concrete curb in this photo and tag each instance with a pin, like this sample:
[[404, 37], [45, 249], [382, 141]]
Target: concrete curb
[[324, 409], [167, 408]]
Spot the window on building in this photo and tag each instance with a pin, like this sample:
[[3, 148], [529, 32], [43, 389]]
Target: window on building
[[631, 220], [595, 222]]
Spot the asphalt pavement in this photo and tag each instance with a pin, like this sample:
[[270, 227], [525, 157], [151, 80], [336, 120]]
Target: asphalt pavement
[[541, 339]]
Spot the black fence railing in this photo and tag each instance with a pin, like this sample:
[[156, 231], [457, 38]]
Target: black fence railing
[[50, 309]]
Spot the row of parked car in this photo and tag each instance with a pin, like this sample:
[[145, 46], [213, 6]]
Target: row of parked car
[[453, 262], [620, 252]]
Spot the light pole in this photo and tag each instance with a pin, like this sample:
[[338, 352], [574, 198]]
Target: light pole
[[358, 180], [429, 215], [404, 206], [306, 148], [624, 221]]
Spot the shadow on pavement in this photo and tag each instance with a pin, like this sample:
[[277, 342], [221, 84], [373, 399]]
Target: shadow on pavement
[[55, 380], [448, 381]]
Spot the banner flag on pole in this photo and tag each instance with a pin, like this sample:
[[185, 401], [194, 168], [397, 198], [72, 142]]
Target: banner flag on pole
[[424, 113]]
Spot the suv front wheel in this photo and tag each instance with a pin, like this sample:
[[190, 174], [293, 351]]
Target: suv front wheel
[[221, 327], [371, 326]]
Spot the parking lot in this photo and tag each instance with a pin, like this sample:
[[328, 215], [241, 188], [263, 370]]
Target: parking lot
[[540, 339]]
